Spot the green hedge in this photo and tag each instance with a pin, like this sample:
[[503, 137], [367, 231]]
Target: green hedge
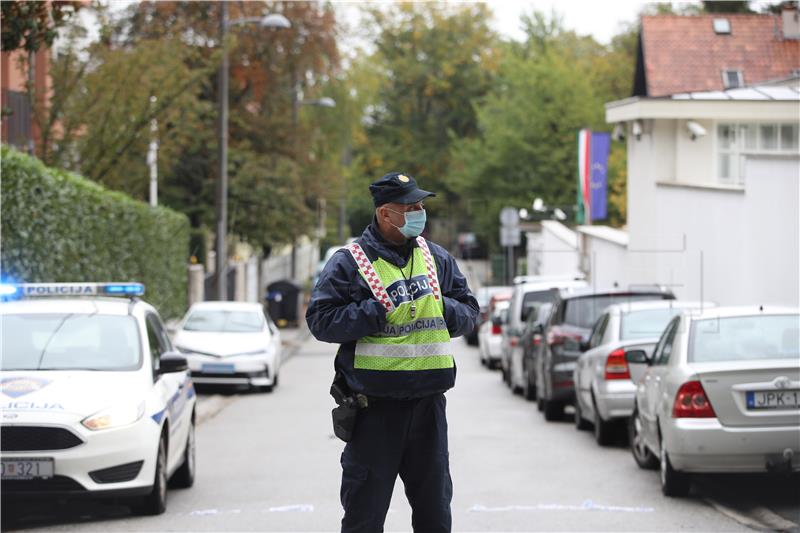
[[58, 226]]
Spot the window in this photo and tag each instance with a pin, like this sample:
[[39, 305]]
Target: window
[[157, 339], [599, 330], [664, 347], [732, 79], [745, 338], [734, 141], [722, 26]]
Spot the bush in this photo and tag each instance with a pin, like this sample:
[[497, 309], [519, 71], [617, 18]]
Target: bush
[[58, 226]]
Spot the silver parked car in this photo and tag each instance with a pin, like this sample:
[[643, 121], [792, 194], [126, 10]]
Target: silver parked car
[[604, 382], [721, 394]]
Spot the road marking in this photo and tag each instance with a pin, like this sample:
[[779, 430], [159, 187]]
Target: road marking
[[757, 517], [587, 505], [300, 508]]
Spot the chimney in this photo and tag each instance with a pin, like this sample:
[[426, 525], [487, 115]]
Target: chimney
[[790, 19]]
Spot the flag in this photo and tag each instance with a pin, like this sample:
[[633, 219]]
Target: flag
[[592, 188]]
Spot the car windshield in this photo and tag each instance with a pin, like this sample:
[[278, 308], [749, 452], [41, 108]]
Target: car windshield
[[583, 312], [69, 341], [745, 338], [218, 320], [645, 323]]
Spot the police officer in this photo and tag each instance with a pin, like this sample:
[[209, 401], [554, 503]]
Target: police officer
[[393, 301]]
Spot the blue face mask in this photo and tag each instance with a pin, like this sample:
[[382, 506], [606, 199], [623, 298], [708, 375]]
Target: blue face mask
[[415, 223]]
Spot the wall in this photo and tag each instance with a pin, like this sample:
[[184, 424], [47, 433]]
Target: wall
[[748, 239], [558, 253]]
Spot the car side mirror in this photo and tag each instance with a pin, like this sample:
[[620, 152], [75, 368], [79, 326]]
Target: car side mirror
[[170, 362], [637, 357]]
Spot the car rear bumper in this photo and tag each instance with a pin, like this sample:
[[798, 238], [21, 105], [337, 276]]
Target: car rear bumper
[[494, 347], [615, 398], [705, 445]]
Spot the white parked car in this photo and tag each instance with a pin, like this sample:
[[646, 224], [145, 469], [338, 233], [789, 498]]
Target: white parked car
[[490, 334], [605, 384], [230, 343], [721, 394], [94, 399]]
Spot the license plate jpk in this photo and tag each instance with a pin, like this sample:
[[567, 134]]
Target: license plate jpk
[[784, 399], [27, 468]]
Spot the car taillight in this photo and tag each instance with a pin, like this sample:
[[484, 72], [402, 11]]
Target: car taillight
[[617, 366], [537, 340], [497, 329], [513, 341], [692, 402], [555, 337]]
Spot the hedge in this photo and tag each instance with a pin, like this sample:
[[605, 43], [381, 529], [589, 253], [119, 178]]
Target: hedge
[[58, 226]]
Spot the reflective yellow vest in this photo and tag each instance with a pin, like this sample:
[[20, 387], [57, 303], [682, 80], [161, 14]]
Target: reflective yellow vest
[[415, 337]]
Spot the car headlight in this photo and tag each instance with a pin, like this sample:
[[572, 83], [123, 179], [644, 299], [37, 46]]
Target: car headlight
[[115, 416]]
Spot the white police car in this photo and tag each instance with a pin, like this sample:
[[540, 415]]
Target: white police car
[[94, 400]]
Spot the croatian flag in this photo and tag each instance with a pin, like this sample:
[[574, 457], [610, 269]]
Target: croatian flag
[[593, 151]]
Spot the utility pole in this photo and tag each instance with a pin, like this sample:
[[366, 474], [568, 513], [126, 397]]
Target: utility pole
[[222, 183]]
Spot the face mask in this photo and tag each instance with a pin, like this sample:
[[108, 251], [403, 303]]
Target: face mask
[[415, 223]]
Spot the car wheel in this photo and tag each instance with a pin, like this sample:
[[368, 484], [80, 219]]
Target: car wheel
[[184, 475], [641, 453], [155, 503], [673, 483], [539, 401], [529, 387], [506, 375], [581, 424], [603, 430], [553, 410]]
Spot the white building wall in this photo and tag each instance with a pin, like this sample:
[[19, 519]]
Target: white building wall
[[558, 253], [607, 262], [694, 161], [748, 239]]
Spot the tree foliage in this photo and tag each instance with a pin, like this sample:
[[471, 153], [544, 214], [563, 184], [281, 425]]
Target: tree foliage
[[31, 24]]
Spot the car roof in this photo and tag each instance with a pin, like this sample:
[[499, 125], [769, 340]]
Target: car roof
[[644, 305], [226, 306], [83, 305], [743, 310], [551, 277], [613, 291], [556, 284]]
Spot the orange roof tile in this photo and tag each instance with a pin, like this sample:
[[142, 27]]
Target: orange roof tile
[[683, 53]]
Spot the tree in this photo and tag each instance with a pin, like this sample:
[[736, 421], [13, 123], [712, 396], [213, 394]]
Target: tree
[[30, 24], [433, 63]]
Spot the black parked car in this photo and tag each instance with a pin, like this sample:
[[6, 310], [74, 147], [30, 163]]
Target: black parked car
[[567, 335]]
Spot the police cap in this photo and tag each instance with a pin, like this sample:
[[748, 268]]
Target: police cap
[[397, 188]]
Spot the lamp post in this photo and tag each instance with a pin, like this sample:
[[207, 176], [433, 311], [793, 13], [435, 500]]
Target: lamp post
[[269, 21]]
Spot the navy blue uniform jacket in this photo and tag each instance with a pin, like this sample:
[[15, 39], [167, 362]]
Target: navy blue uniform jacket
[[343, 309]]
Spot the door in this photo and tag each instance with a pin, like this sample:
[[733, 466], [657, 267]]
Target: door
[[168, 389], [653, 384]]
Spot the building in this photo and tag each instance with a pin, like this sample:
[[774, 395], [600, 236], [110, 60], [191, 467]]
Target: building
[[713, 163], [18, 127]]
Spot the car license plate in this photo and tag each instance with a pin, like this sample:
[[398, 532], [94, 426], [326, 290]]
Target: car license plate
[[783, 399], [217, 368], [28, 468]]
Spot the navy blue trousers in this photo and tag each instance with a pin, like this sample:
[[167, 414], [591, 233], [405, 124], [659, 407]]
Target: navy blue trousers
[[394, 437]]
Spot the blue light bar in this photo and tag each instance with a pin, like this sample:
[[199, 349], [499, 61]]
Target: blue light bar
[[44, 290]]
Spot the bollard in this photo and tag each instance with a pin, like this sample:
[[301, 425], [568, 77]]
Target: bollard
[[196, 284]]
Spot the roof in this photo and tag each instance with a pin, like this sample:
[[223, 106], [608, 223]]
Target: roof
[[228, 306], [646, 305], [588, 292], [679, 54], [758, 93], [748, 310]]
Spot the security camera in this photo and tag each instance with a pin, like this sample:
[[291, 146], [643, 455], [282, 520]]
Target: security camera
[[695, 129], [560, 215], [538, 205], [636, 129], [618, 134]]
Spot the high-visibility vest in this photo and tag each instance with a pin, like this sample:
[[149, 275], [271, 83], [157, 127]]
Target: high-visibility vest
[[415, 337]]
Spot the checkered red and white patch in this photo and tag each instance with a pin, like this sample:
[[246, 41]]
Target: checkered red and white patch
[[370, 275], [430, 266]]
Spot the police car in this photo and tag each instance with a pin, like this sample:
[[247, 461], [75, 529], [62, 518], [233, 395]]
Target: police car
[[94, 400]]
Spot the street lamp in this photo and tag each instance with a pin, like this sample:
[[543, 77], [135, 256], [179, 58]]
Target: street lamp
[[272, 20]]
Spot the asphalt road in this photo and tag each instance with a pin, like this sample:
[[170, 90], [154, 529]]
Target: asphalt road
[[269, 462]]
